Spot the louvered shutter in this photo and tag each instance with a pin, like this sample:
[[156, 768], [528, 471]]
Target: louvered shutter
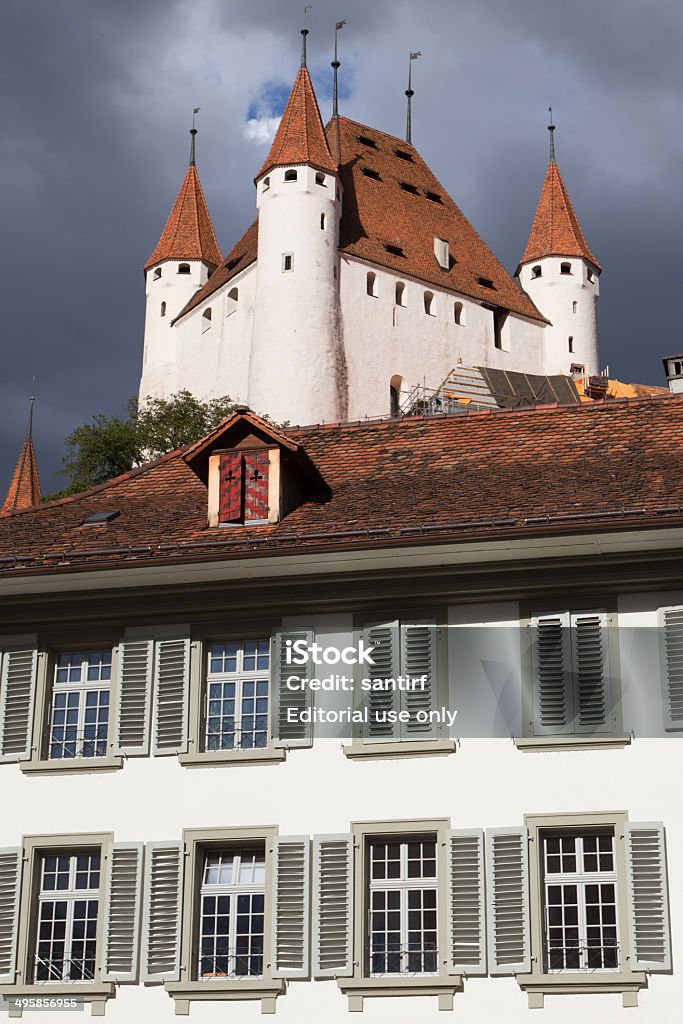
[[122, 906], [171, 686], [291, 887], [230, 487], [671, 632], [466, 903], [384, 638], [10, 886], [333, 908], [648, 897], [17, 696], [553, 711], [164, 865], [507, 873], [418, 659], [289, 702], [256, 466], [134, 698], [590, 663]]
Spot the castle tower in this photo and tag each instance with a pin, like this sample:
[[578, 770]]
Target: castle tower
[[560, 273], [24, 488], [296, 369], [185, 256]]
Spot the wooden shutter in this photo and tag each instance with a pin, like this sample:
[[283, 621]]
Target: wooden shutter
[[134, 697], [286, 700], [122, 905], [256, 466], [671, 632], [590, 664], [10, 887], [384, 638], [17, 696], [418, 658], [507, 872], [230, 488], [171, 683], [553, 711], [333, 909], [466, 903], [648, 897], [291, 912], [164, 864]]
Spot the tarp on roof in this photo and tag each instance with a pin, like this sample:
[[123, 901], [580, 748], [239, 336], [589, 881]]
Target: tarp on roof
[[513, 390]]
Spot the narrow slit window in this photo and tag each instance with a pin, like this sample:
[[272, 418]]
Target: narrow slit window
[[371, 285], [459, 313], [429, 304], [322, 221], [206, 320], [401, 299], [575, 307], [162, 311], [570, 341], [287, 262]]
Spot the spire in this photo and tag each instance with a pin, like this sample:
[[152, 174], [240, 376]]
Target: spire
[[304, 33], [410, 92], [300, 138], [336, 64], [24, 488], [189, 232], [556, 230]]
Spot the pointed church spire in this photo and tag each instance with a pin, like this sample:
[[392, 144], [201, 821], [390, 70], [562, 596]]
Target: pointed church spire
[[24, 488], [300, 138], [556, 230], [189, 233]]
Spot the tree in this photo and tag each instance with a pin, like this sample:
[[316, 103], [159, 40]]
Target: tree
[[109, 446]]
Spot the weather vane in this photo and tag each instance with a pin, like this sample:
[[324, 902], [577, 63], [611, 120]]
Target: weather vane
[[336, 65], [551, 129], [410, 93]]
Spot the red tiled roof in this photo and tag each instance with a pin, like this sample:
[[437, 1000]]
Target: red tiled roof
[[24, 488], [601, 465], [379, 212], [556, 230], [189, 232], [300, 138]]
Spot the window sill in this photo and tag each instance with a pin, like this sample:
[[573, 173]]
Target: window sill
[[185, 992], [94, 993], [358, 989], [539, 986], [72, 766], [574, 742], [204, 759], [411, 748]]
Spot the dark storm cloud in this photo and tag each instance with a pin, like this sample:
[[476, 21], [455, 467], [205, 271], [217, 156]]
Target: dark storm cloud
[[96, 101]]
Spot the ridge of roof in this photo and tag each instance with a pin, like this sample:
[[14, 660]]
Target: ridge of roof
[[24, 487], [188, 233], [555, 230], [300, 137]]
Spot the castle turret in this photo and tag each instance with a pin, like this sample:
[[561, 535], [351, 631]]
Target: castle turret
[[560, 273], [24, 488], [184, 258], [296, 370]]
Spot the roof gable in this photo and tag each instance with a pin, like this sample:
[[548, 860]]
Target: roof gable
[[555, 230], [188, 233]]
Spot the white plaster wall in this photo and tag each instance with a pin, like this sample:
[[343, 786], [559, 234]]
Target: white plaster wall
[[554, 294], [487, 783]]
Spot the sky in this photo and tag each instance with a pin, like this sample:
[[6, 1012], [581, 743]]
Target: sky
[[96, 103]]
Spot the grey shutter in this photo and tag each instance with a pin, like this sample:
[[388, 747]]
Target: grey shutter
[[17, 696], [164, 864], [10, 887], [384, 638], [648, 897], [134, 698], [466, 903], [291, 911], [671, 632], [333, 911], [418, 658], [553, 711], [590, 662], [507, 872], [122, 904], [286, 700], [171, 686]]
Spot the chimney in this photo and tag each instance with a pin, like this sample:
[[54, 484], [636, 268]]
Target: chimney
[[673, 368]]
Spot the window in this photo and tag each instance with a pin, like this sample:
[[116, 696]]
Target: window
[[486, 282], [322, 221], [459, 313], [430, 309], [232, 923], [441, 253], [407, 187], [206, 320], [499, 320], [570, 342], [401, 299], [79, 707], [237, 695], [575, 307], [433, 197], [565, 268], [183, 268], [291, 175], [590, 275], [536, 272], [157, 273], [266, 184], [320, 178], [367, 141], [68, 904], [394, 250], [232, 300], [402, 897], [162, 311], [243, 488], [395, 396], [287, 262], [370, 172], [403, 155], [371, 285]]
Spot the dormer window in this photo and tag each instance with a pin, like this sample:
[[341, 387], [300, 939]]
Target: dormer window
[[290, 175], [441, 252]]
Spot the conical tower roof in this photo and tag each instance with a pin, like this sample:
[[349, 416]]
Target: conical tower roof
[[189, 233], [300, 138], [556, 230], [24, 488]]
